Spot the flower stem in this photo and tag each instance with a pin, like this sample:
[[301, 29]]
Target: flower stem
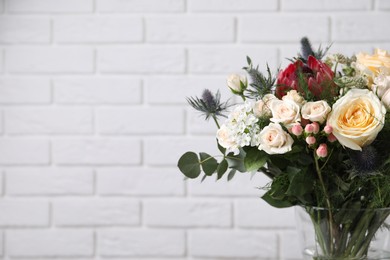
[[216, 121], [318, 169]]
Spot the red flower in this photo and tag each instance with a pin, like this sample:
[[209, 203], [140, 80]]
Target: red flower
[[316, 74]]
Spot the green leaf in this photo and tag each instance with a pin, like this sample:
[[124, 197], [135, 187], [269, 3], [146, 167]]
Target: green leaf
[[203, 178], [221, 149], [301, 182], [209, 163], [189, 165], [231, 174], [237, 161], [222, 168], [255, 159], [275, 202]]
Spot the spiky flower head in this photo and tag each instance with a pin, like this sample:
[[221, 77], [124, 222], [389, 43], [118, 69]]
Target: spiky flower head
[[365, 161], [209, 104]]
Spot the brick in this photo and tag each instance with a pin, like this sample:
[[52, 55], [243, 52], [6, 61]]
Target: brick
[[140, 120], [24, 91], [249, 213], [24, 212], [1, 122], [167, 151], [49, 243], [228, 60], [103, 151], [97, 90], [347, 28], [325, 5], [175, 89], [96, 212], [122, 242], [49, 181], [24, 151], [1, 243], [383, 4], [1, 60], [139, 181], [76, 29], [24, 30], [49, 6], [231, 5], [283, 29], [242, 185], [141, 6], [48, 120], [190, 29], [141, 60], [187, 213], [197, 125], [233, 243], [46, 60], [290, 247]]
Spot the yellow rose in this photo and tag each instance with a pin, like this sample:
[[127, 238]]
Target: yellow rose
[[372, 65], [357, 118]]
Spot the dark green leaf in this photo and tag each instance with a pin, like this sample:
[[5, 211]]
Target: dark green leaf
[[222, 168], [231, 174], [237, 161], [221, 149], [209, 163], [203, 178], [189, 165], [301, 182], [255, 159], [275, 202]]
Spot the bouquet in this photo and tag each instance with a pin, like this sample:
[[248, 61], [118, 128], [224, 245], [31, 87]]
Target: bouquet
[[320, 131]]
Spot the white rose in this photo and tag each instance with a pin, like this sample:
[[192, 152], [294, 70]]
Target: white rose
[[274, 140], [315, 111], [224, 139], [262, 107], [237, 83], [357, 118], [293, 95], [381, 85], [386, 99], [285, 112]]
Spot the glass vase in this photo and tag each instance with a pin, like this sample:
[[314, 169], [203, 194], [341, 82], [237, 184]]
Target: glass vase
[[344, 234]]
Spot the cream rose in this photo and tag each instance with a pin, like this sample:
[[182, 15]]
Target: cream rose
[[262, 107], [237, 83], [316, 111], [371, 65], [224, 139], [293, 95], [285, 112], [274, 140], [357, 118]]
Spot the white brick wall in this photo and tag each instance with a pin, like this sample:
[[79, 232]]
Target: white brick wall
[[93, 119]]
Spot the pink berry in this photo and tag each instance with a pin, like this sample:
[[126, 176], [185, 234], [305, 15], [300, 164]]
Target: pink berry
[[322, 151], [310, 140]]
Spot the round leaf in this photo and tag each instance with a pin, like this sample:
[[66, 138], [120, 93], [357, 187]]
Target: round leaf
[[189, 165], [209, 163]]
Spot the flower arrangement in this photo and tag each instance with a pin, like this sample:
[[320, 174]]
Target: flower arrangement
[[320, 130]]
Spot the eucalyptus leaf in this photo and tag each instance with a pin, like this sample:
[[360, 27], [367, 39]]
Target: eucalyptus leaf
[[222, 168], [237, 161], [231, 174], [189, 165], [255, 159], [209, 163]]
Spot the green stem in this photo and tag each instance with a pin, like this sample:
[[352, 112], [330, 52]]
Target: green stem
[[329, 205], [216, 121]]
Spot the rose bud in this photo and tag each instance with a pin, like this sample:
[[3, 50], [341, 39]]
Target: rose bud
[[297, 130], [322, 151], [310, 140], [237, 83], [309, 128], [328, 129], [332, 138], [316, 127]]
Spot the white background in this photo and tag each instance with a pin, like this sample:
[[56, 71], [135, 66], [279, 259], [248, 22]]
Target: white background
[[93, 119]]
